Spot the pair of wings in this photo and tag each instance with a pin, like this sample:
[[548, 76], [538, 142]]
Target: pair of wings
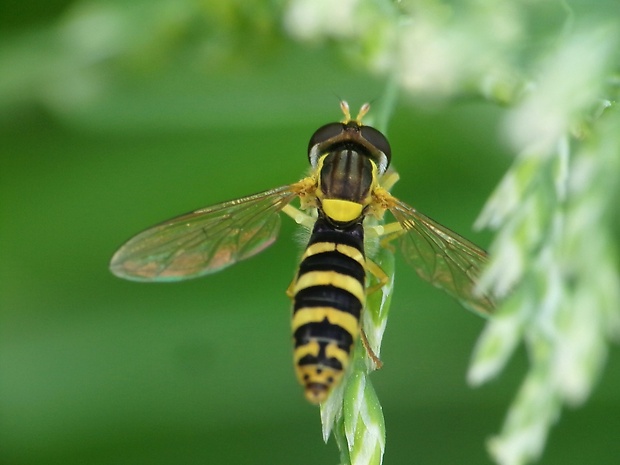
[[212, 238]]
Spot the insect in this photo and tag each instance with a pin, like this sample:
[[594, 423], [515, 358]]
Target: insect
[[347, 187]]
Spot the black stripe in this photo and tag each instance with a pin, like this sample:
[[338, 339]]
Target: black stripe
[[333, 261], [321, 359], [325, 232], [337, 237], [323, 332], [328, 296]]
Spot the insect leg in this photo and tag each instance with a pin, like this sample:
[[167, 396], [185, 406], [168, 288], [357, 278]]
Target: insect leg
[[389, 179], [289, 290], [378, 273], [382, 278], [381, 230], [307, 221], [377, 361], [386, 232]]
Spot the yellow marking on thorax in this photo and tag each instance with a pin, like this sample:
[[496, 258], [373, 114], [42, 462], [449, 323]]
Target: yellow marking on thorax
[[307, 315], [321, 247], [343, 211], [331, 278]]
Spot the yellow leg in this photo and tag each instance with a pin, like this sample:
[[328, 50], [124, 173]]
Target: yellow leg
[[389, 179], [382, 278], [386, 233], [307, 221], [289, 290], [393, 230], [378, 273]]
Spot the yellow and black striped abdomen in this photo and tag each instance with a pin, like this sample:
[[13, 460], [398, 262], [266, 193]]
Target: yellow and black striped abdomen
[[329, 294]]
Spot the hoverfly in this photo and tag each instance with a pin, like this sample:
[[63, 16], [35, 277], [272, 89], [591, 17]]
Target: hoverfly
[[348, 185]]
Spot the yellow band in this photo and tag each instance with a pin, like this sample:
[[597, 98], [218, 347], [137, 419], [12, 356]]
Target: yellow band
[[322, 247], [331, 278], [336, 317]]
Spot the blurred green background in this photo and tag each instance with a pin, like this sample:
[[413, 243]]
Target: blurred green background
[[95, 148]]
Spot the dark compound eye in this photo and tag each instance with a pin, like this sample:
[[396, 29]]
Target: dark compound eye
[[377, 139], [324, 133]]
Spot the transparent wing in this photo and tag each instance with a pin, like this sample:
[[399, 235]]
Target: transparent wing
[[203, 241], [442, 257]]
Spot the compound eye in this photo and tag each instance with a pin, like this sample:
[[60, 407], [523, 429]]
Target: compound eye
[[324, 133], [376, 138]]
